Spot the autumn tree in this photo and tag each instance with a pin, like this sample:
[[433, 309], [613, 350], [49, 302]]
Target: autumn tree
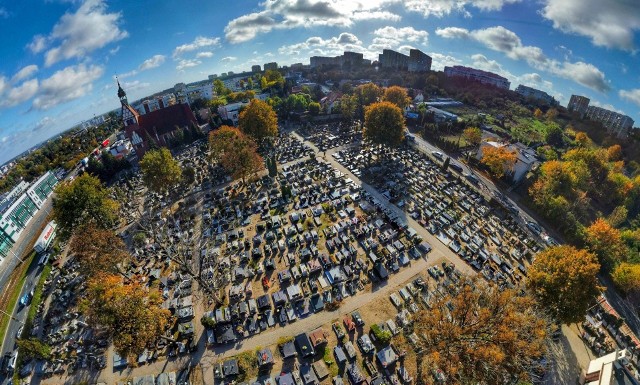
[[397, 95], [614, 153], [626, 276], [537, 113], [130, 312], [498, 160], [98, 250], [481, 335], [551, 114], [236, 152], [582, 139], [563, 280], [384, 124], [160, 172], [314, 108], [606, 242], [83, 200], [472, 135], [258, 120]]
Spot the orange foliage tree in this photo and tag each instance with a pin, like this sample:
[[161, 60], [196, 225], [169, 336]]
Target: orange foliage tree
[[131, 313], [236, 152], [482, 333], [396, 95], [563, 280], [606, 242], [98, 250], [498, 160], [258, 120]]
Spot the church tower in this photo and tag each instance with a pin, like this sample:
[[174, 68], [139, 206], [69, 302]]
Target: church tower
[[129, 114]]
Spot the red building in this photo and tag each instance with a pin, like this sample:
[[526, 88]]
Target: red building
[[156, 126]]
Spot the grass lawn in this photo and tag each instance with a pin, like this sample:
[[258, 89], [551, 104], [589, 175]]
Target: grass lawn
[[327, 357], [17, 280]]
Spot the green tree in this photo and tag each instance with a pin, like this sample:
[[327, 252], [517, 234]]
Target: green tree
[[32, 348], [563, 280], [365, 95], [554, 135], [397, 95], [314, 108], [472, 135], [82, 201], [258, 120], [384, 124], [188, 175], [160, 172], [219, 88], [626, 276]]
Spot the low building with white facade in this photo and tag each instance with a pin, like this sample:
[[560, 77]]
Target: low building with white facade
[[526, 157]]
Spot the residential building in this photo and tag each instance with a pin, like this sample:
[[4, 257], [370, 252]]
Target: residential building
[[270, 66], [529, 92], [212, 77], [330, 101], [347, 59], [417, 61], [526, 158], [231, 111], [578, 104], [157, 126], [616, 123], [611, 369], [256, 68], [483, 77]]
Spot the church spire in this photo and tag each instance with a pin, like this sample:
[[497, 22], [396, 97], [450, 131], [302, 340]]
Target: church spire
[[121, 94]]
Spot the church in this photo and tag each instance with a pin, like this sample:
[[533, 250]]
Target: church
[[156, 127]]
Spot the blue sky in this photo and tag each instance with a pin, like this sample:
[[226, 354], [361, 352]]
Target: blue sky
[[59, 57]]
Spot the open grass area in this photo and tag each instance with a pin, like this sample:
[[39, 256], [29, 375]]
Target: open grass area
[[16, 282]]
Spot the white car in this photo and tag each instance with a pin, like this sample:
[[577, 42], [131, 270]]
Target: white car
[[437, 154]]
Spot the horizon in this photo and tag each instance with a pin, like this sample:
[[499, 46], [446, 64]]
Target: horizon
[[59, 67]]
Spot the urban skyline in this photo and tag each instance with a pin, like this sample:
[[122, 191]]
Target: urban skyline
[[58, 70]]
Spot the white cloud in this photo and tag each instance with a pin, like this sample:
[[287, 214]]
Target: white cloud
[[135, 85], [114, 51], [632, 96], [81, 33], [25, 73], [289, 14], [20, 94], [611, 23], [228, 59], [439, 61], [199, 42], [42, 123], [326, 47], [67, 84], [440, 8], [38, 44], [507, 42], [391, 37], [152, 62], [204, 54], [187, 63]]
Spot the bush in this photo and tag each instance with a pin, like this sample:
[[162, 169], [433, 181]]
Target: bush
[[383, 336], [207, 322]]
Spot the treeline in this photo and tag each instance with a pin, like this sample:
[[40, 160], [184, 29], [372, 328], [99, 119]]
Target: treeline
[[65, 152]]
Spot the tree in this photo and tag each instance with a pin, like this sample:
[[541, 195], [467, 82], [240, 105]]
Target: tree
[[498, 160], [563, 280], [396, 95], [472, 135], [614, 153], [606, 242], [384, 124], [626, 276], [554, 135], [236, 152], [551, 114], [364, 95], [219, 88], [33, 348], [314, 108], [582, 139], [98, 250], [188, 175], [481, 335], [537, 113], [82, 201], [160, 172], [131, 314], [258, 120]]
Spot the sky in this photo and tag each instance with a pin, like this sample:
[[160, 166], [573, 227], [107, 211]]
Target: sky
[[59, 57]]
